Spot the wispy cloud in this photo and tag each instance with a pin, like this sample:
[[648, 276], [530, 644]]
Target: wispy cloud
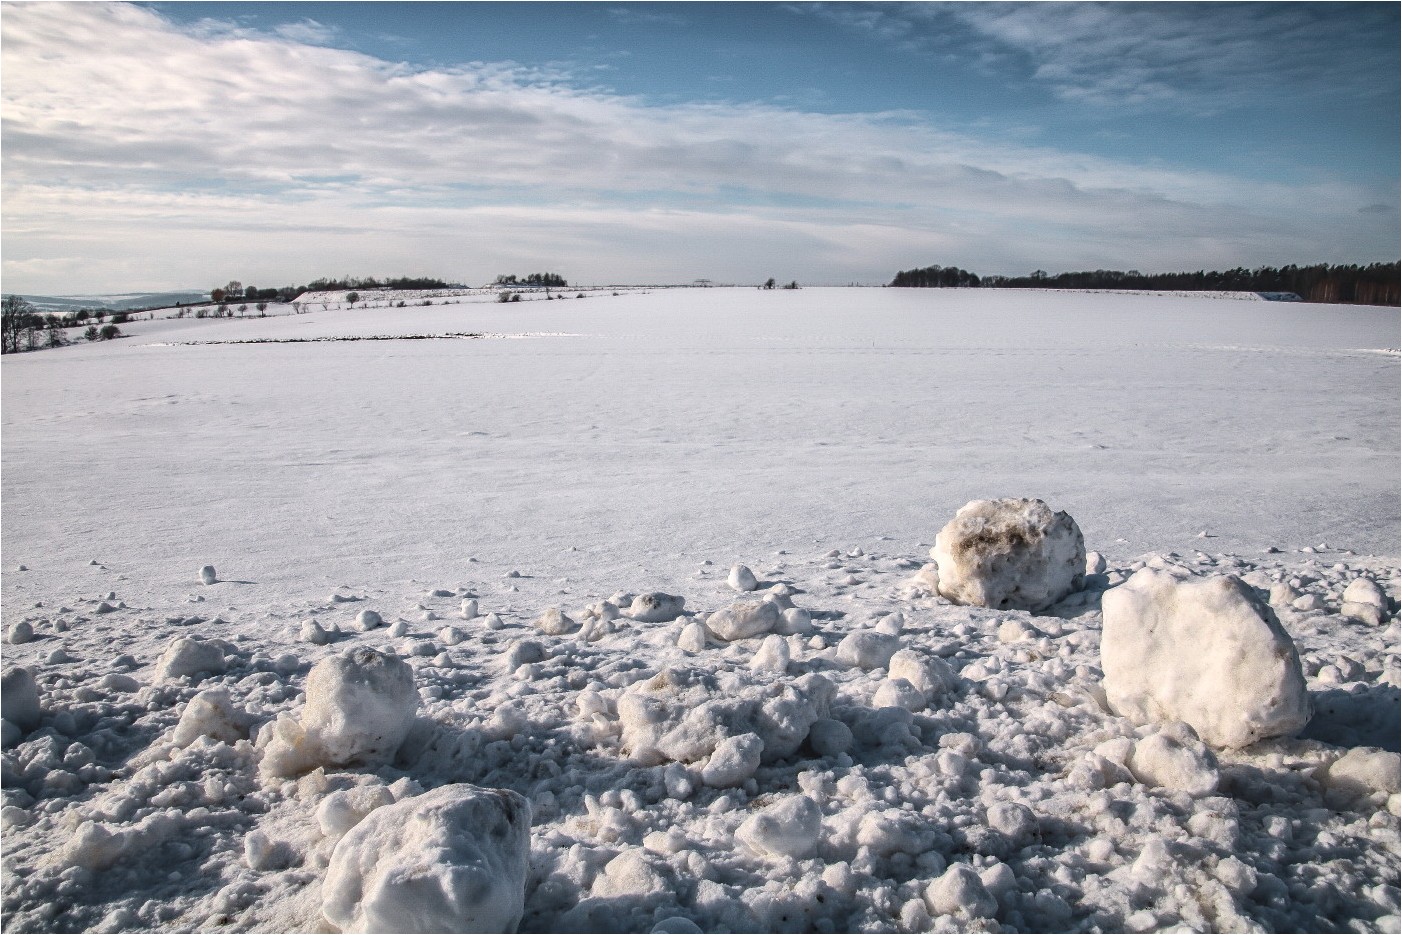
[[135, 150]]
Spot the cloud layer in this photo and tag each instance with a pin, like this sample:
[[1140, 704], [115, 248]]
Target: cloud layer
[[137, 154]]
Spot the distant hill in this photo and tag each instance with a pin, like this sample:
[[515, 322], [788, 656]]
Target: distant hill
[[124, 301]]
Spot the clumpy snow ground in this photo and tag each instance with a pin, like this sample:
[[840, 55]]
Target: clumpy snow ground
[[647, 442]]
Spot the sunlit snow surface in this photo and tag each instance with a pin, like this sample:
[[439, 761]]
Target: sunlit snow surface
[[646, 442]]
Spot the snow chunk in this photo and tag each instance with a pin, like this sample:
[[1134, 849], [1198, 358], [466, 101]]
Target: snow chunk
[[360, 706], [898, 693], [555, 622], [211, 713], [744, 619], [1362, 774], [788, 828], [1206, 651], [931, 675], [450, 860], [683, 714], [742, 579], [1365, 591], [867, 649], [314, 633], [341, 811], [190, 656], [959, 891], [207, 575], [773, 655], [19, 698], [692, 637], [656, 607], [21, 632], [829, 737], [1009, 554], [735, 759], [1174, 759], [367, 620]]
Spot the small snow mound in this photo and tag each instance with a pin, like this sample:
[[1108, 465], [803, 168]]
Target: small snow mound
[[555, 622], [959, 891], [211, 713], [21, 632], [744, 619], [450, 860], [1174, 759], [742, 579], [1206, 651], [867, 649], [788, 828], [1009, 554], [189, 656], [1361, 775], [367, 620], [207, 575], [656, 607], [734, 760], [1365, 591]]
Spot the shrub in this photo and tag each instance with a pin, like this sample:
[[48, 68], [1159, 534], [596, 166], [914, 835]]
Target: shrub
[[516, 297], [120, 318], [503, 297], [91, 334], [352, 297], [109, 332]]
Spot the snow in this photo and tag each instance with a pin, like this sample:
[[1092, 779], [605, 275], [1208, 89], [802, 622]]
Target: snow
[[973, 778], [1009, 553], [1205, 651], [744, 619]]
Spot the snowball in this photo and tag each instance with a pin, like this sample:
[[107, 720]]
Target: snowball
[[367, 620], [450, 860], [1283, 594], [629, 874], [959, 891], [1174, 759], [207, 575], [743, 619], [341, 811], [734, 760], [522, 653], [656, 607], [1095, 563], [931, 675], [683, 714], [450, 636], [1360, 774], [692, 637], [898, 693], [891, 624], [1205, 651], [829, 737], [314, 633], [190, 656], [1365, 591], [21, 632], [19, 698], [1308, 602], [1009, 554], [742, 579], [773, 655], [554, 622], [795, 620], [867, 649], [1016, 822], [788, 828], [468, 609], [211, 713]]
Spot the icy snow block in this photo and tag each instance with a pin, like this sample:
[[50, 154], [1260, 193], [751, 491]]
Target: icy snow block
[[207, 575], [554, 622], [1205, 651], [211, 713], [867, 649], [450, 860], [19, 698], [656, 607], [1360, 775], [360, 706], [189, 656], [1174, 759], [744, 619], [1009, 554], [788, 828], [734, 760], [1365, 591], [742, 579], [959, 891]]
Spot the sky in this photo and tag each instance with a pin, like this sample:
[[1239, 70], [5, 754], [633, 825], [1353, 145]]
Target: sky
[[180, 145]]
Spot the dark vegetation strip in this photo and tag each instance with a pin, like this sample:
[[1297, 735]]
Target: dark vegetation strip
[[454, 335]]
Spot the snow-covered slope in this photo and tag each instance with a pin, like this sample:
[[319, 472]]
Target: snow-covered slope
[[646, 442]]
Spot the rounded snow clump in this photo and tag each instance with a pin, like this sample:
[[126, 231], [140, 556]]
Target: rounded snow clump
[[360, 706], [190, 656], [1174, 759], [734, 760], [1364, 600], [656, 607], [788, 828], [929, 674], [1205, 651], [19, 698], [744, 619], [207, 575], [211, 713], [959, 891], [21, 632], [867, 649], [684, 714], [1360, 775], [555, 623], [450, 860], [367, 620], [742, 579], [1009, 554]]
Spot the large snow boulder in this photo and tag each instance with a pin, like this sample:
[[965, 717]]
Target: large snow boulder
[[450, 860], [19, 699], [685, 714], [744, 619], [656, 607], [1205, 651], [1009, 554]]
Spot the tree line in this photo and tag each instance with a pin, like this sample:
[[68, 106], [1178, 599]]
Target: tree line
[[1374, 284], [23, 328], [533, 279], [235, 291]]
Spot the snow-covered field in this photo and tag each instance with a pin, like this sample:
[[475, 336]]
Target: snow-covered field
[[560, 454]]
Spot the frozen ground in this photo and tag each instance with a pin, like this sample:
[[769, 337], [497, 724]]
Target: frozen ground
[[645, 442]]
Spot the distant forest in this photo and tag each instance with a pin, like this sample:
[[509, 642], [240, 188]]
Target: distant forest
[[236, 291], [1374, 284]]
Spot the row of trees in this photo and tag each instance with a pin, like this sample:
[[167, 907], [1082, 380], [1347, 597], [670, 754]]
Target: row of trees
[[548, 280], [22, 328], [1374, 284], [234, 290]]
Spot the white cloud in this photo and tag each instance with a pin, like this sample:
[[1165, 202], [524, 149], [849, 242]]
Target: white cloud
[[186, 155]]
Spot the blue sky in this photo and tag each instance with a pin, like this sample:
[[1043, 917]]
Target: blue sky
[[171, 145]]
